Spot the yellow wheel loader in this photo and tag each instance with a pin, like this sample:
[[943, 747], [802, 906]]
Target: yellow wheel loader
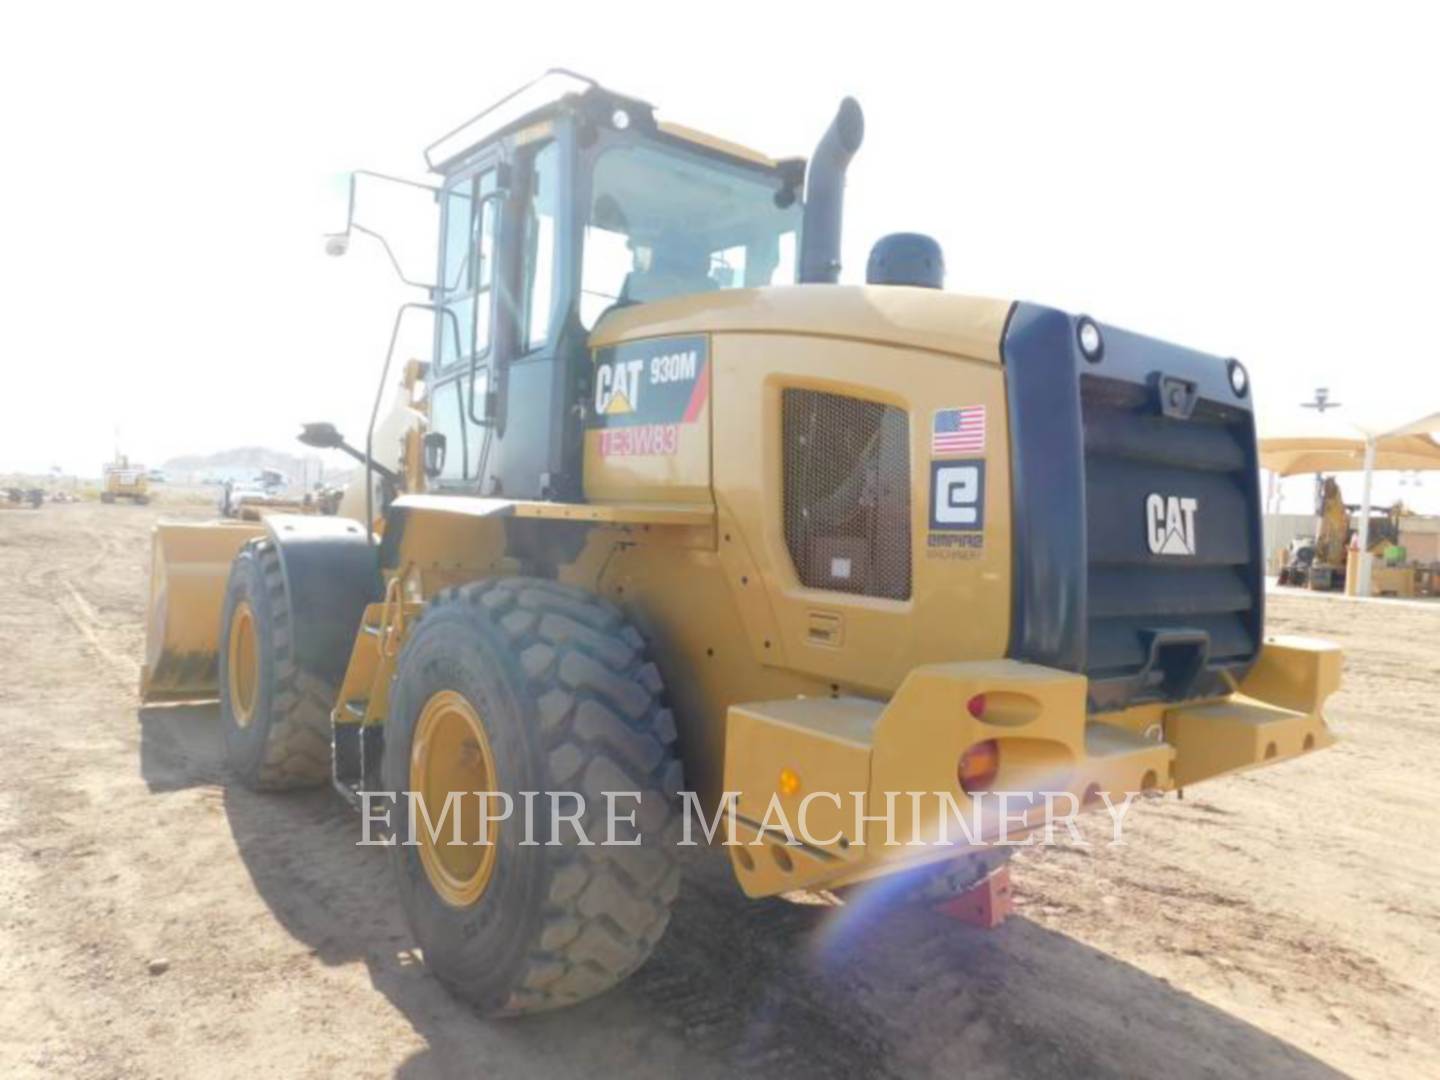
[[125, 481], [683, 524]]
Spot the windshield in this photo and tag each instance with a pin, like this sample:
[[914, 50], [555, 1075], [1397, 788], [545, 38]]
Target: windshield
[[666, 223]]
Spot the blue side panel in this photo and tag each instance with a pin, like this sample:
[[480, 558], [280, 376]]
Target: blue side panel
[[1047, 477]]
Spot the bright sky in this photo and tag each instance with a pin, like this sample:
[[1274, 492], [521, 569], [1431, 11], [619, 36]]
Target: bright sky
[[1255, 180]]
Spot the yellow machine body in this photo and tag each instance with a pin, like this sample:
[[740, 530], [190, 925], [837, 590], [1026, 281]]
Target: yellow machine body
[[781, 690], [839, 692], [786, 678]]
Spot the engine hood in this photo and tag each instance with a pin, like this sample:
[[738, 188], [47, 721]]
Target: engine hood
[[885, 314]]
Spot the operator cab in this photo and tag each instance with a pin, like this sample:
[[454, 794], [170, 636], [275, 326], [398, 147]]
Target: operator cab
[[560, 204]]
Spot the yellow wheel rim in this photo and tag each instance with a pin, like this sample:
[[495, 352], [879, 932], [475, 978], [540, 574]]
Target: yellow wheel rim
[[243, 664], [451, 753]]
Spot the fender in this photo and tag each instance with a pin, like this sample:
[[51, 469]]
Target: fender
[[469, 531], [331, 572]]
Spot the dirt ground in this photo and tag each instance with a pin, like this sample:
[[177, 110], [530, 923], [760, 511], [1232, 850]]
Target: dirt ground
[[1282, 923]]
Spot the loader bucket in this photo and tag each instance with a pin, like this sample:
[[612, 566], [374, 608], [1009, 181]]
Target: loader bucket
[[189, 567]]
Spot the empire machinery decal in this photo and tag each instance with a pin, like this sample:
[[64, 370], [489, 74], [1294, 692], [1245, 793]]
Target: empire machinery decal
[[645, 391], [957, 509]]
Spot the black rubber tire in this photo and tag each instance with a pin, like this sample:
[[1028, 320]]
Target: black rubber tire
[[106, 497], [287, 742], [569, 702]]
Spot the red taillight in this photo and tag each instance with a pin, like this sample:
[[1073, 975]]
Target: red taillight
[[978, 766], [976, 706]]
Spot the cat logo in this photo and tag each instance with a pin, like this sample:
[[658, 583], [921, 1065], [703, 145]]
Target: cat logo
[[1170, 524], [617, 387]]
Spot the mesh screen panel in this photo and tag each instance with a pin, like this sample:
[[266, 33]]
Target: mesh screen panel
[[846, 492]]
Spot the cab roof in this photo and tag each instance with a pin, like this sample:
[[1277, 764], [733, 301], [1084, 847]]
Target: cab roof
[[543, 96]]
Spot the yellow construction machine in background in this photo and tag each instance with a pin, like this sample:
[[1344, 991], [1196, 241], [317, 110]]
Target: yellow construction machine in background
[[123, 480]]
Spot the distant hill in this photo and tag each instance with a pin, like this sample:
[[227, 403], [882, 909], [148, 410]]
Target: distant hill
[[244, 462]]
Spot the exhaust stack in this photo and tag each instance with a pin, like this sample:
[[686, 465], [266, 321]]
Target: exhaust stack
[[825, 195]]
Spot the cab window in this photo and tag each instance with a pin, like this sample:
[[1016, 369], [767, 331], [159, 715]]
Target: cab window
[[541, 208], [468, 267], [665, 222]]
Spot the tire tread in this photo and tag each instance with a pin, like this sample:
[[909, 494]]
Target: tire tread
[[602, 720], [297, 745]]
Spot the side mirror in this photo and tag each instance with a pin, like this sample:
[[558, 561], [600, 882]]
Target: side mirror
[[322, 436], [434, 453], [337, 244]]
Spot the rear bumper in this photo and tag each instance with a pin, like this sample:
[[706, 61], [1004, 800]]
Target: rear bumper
[[846, 768]]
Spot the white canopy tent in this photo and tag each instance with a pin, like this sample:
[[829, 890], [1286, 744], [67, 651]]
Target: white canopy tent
[[1428, 425], [1406, 447]]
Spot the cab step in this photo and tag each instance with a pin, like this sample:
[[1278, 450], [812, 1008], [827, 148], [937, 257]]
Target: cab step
[[355, 753]]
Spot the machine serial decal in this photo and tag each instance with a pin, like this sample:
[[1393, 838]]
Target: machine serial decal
[[653, 385], [652, 440], [1170, 524], [958, 431]]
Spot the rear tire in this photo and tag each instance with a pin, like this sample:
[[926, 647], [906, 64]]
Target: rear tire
[[275, 718], [568, 702]]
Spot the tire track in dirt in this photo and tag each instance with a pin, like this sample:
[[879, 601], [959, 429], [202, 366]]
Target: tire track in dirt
[[56, 584], [84, 618]]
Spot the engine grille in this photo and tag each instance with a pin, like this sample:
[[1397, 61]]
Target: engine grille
[[1135, 508], [1133, 594], [846, 493]]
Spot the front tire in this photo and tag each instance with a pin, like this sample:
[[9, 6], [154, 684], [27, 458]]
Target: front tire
[[525, 685], [275, 718]]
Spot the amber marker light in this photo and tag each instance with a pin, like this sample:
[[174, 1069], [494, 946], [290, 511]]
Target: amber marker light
[[789, 781], [978, 766]]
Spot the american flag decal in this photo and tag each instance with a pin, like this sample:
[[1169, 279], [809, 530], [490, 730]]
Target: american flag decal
[[958, 431]]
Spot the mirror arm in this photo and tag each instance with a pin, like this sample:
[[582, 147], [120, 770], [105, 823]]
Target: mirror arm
[[353, 226], [359, 455]]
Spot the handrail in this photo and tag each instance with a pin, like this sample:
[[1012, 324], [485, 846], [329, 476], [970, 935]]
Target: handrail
[[429, 150], [437, 310]]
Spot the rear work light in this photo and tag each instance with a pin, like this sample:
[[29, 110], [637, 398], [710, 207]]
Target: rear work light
[[978, 766]]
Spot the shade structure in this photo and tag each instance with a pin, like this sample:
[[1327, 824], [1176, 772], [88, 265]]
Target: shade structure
[[1408, 447], [1426, 425], [1296, 456]]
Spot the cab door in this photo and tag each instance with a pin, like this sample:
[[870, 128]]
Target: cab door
[[540, 351], [471, 204]]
